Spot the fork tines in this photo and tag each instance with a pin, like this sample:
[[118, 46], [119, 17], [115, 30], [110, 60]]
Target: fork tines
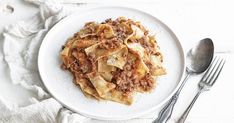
[[213, 71]]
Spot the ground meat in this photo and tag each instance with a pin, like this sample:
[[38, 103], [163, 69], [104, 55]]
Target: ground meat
[[82, 61], [125, 80], [128, 81], [121, 35], [109, 20], [64, 67], [122, 81], [93, 62], [110, 44], [146, 83], [119, 30], [63, 47], [74, 66], [149, 48], [90, 27], [146, 32]]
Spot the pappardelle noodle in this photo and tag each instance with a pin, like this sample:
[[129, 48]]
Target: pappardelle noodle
[[113, 60]]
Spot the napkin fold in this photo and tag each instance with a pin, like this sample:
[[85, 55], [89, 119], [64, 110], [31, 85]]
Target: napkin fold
[[20, 49]]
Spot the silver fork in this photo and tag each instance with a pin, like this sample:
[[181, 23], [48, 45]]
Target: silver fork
[[205, 83]]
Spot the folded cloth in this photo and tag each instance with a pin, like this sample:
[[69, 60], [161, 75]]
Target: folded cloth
[[20, 49]]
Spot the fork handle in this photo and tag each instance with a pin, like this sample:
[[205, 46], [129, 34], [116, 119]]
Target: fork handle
[[186, 112]]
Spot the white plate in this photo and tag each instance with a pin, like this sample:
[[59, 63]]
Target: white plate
[[59, 83]]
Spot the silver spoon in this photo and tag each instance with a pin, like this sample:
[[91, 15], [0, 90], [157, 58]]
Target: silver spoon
[[198, 60]]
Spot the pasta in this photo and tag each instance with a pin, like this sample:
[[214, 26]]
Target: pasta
[[113, 60]]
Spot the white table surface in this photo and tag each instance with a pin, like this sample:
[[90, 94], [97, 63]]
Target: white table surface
[[191, 20]]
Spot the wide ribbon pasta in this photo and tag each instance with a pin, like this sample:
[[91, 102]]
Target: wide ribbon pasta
[[114, 59]]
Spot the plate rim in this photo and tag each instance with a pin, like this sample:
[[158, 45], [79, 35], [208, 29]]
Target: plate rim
[[135, 115]]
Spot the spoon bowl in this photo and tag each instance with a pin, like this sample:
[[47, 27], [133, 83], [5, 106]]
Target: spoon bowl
[[200, 56]]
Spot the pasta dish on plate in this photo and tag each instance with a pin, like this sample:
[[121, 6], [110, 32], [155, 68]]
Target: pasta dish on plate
[[113, 60]]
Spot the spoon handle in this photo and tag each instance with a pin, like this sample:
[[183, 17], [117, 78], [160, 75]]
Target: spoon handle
[[166, 112]]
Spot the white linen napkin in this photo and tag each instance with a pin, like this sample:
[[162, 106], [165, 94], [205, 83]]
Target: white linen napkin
[[21, 42], [20, 49]]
